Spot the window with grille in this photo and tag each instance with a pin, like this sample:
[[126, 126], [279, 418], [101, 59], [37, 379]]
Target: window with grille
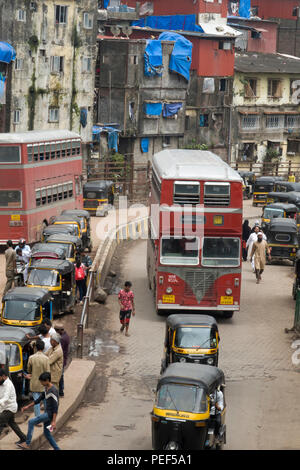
[[21, 15], [186, 192], [216, 194], [86, 64], [292, 121], [53, 114], [250, 121], [274, 121], [17, 116], [19, 64]]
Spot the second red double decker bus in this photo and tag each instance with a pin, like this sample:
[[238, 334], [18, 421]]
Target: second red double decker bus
[[195, 233]]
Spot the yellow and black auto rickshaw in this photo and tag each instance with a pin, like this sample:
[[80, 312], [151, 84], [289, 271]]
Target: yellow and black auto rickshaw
[[15, 349], [69, 220], [53, 229], [70, 243], [282, 236], [98, 197], [184, 415], [58, 276], [262, 186], [191, 338], [45, 250], [84, 217], [276, 196], [26, 307], [275, 210]]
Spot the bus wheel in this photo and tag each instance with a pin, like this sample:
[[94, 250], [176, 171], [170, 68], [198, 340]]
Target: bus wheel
[[228, 314]]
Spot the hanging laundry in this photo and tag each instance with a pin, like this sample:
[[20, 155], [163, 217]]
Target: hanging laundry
[[170, 109]]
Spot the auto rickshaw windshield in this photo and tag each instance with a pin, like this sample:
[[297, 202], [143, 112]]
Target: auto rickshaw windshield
[[11, 352], [194, 337], [270, 213], [189, 398], [73, 226], [21, 310], [43, 277], [68, 247]]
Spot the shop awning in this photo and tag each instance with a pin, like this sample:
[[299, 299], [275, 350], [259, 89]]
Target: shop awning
[[7, 52]]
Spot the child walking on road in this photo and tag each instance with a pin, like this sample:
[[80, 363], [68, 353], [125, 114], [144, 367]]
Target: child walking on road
[[126, 302]]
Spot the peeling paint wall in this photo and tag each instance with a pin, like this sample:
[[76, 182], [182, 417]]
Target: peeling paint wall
[[39, 32]]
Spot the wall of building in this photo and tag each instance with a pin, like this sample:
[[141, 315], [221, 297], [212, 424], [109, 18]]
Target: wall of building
[[35, 86], [262, 107], [186, 7], [276, 8]]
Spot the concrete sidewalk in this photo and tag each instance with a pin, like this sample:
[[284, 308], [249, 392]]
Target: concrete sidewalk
[[77, 378]]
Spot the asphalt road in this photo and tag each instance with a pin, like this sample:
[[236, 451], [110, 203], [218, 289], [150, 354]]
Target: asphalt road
[[263, 405]]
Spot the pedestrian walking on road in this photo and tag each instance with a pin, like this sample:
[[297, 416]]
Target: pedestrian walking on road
[[80, 279], [48, 418], [65, 344], [10, 268], [126, 302], [37, 364], [56, 359], [245, 236], [9, 405], [258, 253]]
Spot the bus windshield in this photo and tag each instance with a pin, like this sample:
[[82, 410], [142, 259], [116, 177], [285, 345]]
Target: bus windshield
[[181, 398], [21, 310], [221, 252], [179, 251], [194, 337], [43, 277], [270, 213], [11, 352]]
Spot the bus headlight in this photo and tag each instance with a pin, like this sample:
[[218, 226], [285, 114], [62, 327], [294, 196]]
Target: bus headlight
[[169, 290], [228, 291], [210, 361], [182, 359]]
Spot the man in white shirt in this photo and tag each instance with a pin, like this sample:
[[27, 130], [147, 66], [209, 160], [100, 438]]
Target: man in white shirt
[[8, 405], [217, 406], [26, 255]]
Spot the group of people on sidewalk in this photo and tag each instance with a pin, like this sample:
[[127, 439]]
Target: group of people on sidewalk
[[256, 247], [45, 373]]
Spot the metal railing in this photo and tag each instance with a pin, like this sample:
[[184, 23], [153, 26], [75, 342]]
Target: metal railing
[[100, 268]]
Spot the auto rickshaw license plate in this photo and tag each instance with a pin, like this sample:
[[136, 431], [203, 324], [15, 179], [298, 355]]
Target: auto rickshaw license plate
[[226, 300], [168, 299]]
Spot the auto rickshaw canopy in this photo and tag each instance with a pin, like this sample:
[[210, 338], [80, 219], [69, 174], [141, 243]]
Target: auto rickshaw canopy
[[61, 266], [205, 376], [35, 294], [51, 229], [178, 319], [64, 238], [16, 334], [281, 224], [76, 213], [45, 250]]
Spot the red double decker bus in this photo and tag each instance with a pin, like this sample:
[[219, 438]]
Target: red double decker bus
[[195, 233], [40, 175]]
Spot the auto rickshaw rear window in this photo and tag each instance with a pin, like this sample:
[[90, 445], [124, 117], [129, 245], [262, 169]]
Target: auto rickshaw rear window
[[194, 337], [283, 237], [43, 277], [177, 397], [21, 310], [11, 352]]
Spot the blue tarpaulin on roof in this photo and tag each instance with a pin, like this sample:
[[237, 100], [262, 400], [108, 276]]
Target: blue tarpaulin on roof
[[181, 57], [244, 9], [7, 52], [145, 144], [153, 58], [170, 109], [153, 109], [106, 3], [170, 22]]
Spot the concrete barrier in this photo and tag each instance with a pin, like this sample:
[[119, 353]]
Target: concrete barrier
[[77, 379]]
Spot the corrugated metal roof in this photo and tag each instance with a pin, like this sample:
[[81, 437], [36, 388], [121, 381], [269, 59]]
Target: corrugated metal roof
[[37, 136], [184, 164], [253, 62]]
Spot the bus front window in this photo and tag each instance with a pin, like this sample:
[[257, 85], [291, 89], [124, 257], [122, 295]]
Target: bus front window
[[221, 252], [183, 251], [21, 310]]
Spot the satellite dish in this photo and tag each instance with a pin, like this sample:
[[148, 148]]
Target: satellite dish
[[127, 30], [101, 29]]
